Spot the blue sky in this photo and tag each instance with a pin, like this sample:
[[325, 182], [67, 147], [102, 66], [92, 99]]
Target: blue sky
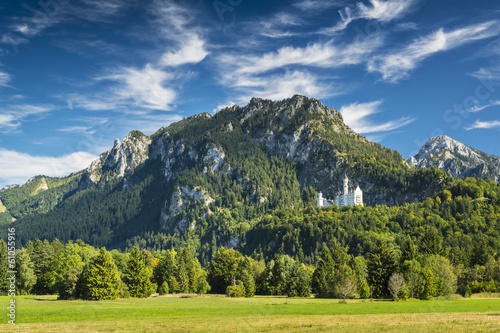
[[76, 74]]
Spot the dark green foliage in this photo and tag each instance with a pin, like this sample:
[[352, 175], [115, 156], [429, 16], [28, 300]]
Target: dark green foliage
[[137, 275], [427, 287], [237, 290], [381, 263], [25, 272], [165, 271], [431, 242], [102, 280], [32, 198], [299, 284], [42, 254], [246, 277], [223, 269]]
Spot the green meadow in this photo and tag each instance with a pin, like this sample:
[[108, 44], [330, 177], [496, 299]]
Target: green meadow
[[258, 314]]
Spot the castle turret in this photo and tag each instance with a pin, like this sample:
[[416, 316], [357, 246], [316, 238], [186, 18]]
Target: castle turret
[[346, 185], [320, 199]]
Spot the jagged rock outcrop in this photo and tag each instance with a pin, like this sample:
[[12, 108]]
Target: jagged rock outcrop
[[171, 214], [9, 187], [118, 161], [457, 159], [220, 173]]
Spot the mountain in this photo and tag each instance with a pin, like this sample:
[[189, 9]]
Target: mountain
[[457, 159], [210, 179]]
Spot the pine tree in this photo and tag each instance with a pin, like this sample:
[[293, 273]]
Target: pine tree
[[381, 263], [137, 275], [408, 251], [299, 283], [430, 242], [25, 276], [165, 271], [245, 275], [103, 278]]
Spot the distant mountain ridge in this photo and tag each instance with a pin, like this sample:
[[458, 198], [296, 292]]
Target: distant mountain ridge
[[209, 177], [457, 159]]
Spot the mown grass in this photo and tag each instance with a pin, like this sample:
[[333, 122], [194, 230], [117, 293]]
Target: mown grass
[[258, 314]]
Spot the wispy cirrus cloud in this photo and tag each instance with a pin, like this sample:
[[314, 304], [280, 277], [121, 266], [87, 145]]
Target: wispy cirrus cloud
[[282, 86], [174, 23], [145, 87], [308, 5], [323, 55], [18, 167], [4, 79], [191, 51], [477, 108], [288, 70], [12, 116], [397, 65], [378, 10], [77, 129], [478, 124], [357, 116]]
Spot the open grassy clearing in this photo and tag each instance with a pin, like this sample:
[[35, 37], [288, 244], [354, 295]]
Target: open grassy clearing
[[262, 314]]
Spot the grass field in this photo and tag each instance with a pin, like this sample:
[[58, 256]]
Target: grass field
[[258, 314]]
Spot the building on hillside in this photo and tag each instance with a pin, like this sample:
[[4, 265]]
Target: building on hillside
[[350, 197]]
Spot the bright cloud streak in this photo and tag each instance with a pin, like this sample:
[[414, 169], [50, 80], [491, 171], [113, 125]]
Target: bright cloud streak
[[478, 124], [4, 79], [192, 51], [356, 116], [397, 65], [18, 167], [145, 86], [382, 11]]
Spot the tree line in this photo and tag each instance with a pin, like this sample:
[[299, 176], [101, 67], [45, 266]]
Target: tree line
[[76, 270]]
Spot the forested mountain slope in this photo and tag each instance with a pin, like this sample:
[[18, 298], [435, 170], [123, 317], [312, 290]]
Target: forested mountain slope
[[209, 180]]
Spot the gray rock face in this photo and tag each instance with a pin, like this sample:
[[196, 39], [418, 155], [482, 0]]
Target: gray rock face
[[179, 200], [9, 187], [118, 161], [457, 159]]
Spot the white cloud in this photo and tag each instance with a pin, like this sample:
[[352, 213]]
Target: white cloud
[[384, 11], [478, 124], [489, 77], [4, 79], [8, 123], [356, 115], [223, 106], [477, 108], [96, 102], [174, 23], [397, 65], [281, 86], [287, 71], [77, 129], [18, 167], [11, 116], [317, 55], [307, 5], [381, 11], [192, 51], [146, 87]]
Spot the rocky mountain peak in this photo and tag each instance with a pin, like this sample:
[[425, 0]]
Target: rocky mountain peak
[[456, 158], [123, 158]]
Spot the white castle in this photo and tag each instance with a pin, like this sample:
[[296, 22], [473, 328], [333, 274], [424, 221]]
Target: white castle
[[351, 197]]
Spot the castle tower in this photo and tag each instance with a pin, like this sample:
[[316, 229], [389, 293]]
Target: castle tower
[[320, 199], [346, 185]]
